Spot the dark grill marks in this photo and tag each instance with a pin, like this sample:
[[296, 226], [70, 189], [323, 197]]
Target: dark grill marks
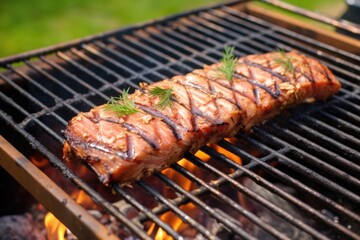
[[175, 129], [230, 87], [133, 129], [139, 132], [326, 73], [311, 78], [197, 113], [191, 105], [274, 94], [255, 91], [130, 147], [105, 149], [257, 95], [234, 95], [189, 108], [194, 111], [276, 85], [275, 74], [296, 70], [277, 89], [212, 91]]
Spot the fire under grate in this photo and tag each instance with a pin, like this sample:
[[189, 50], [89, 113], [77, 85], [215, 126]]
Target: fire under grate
[[295, 177]]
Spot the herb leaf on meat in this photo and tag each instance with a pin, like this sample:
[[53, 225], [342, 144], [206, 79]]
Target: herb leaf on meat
[[229, 61], [284, 61], [164, 94], [122, 105]]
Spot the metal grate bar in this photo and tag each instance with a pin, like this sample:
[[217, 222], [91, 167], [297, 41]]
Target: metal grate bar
[[275, 209], [184, 217], [74, 77], [247, 47], [80, 183], [352, 153], [289, 180], [330, 130], [194, 199], [200, 191], [229, 201], [239, 20], [345, 151], [311, 174], [269, 186], [209, 24], [228, 23], [59, 83], [345, 114], [94, 63], [115, 63], [105, 84], [56, 99], [104, 65], [157, 64], [29, 116], [121, 192], [345, 126], [326, 183], [258, 21], [115, 52]]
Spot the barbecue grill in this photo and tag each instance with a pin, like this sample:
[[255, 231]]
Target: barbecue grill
[[296, 177]]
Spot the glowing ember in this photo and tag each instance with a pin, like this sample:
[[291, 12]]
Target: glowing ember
[[39, 162]]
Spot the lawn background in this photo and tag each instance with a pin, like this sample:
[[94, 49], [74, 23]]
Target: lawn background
[[29, 24]]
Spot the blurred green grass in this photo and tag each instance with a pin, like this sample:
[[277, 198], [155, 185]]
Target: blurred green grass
[[26, 25]]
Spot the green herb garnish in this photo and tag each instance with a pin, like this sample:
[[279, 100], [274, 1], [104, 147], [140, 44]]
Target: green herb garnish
[[122, 105], [285, 61], [164, 94], [229, 62]]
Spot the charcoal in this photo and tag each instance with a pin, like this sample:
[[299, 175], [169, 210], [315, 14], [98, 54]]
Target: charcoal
[[19, 227]]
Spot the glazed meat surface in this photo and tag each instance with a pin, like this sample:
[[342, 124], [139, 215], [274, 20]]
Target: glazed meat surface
[[205, 108]]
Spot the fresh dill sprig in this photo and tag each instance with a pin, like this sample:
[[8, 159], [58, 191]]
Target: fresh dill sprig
[[229, 62], [122, 105], [285, 61], [164, 94]]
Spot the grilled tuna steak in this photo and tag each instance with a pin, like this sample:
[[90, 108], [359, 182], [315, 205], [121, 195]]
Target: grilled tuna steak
[[205, 108]]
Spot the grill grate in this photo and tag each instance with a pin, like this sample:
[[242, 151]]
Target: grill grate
[[308, 157]]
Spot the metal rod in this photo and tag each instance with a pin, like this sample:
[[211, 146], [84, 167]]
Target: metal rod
[[349, 26], [184, 217]]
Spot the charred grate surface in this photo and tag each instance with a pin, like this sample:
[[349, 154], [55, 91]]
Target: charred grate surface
[[298, 176]]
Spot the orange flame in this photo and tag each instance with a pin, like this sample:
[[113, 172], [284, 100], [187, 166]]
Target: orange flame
[[40, 162], [169, 217], [227, 153], [54, 228]]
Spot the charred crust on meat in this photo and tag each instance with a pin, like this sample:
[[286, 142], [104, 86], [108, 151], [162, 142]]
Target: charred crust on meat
[[205, 109], [165, 119], [130, 147], [269, 70]]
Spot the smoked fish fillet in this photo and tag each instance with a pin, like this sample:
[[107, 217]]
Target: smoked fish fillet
[[206, 107]]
